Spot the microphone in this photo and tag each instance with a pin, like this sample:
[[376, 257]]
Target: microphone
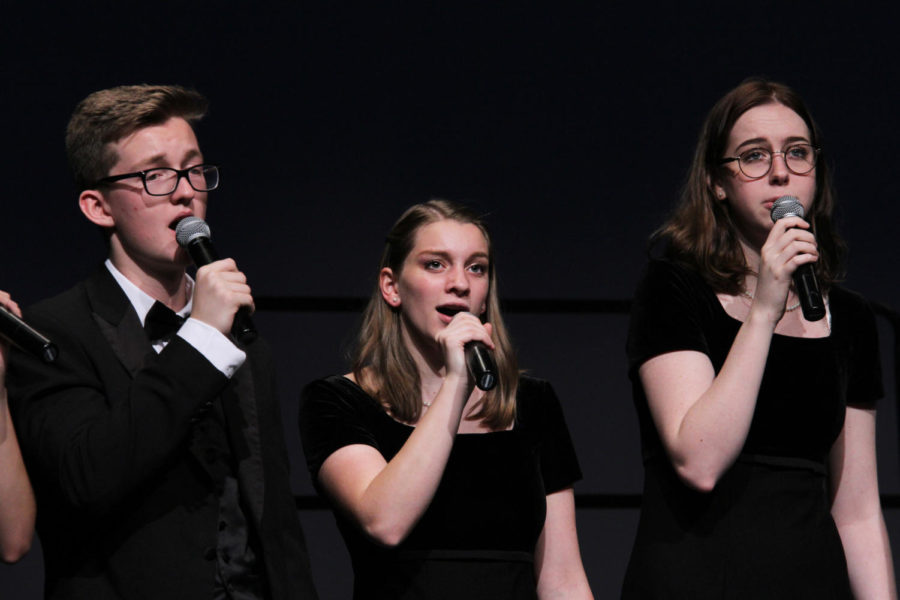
[[481, 365], [25, 337], [811, 301], [193, 235]]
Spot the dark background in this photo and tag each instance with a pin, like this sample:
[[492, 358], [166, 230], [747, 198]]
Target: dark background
[[571, 126]]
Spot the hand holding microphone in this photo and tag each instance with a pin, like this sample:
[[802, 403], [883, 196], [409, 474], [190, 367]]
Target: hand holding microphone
[[465, 329], [193, 235], [811, 300]]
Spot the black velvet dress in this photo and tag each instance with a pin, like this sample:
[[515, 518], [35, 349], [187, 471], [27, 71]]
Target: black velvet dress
[[478, 536], [766, 530]]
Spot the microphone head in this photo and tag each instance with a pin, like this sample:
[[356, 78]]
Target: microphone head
[[189, 229], [786, 206]]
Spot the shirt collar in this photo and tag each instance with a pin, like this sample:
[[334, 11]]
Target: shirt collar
[[141, 300]]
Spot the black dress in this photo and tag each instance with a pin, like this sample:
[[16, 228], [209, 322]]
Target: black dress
[[477, 538], [765, 531]]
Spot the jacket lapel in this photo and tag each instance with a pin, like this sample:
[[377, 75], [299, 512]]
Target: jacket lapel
[[117, 320]]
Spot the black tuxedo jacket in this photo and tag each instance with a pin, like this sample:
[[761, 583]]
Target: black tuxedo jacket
[[126, 509]]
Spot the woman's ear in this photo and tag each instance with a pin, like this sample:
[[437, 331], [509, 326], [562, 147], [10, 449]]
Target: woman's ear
[[720, 192], [388, 284], [717, 190]]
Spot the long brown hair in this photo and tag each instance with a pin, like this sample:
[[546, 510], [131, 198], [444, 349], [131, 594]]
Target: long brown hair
[[701, 232], [383, 366]]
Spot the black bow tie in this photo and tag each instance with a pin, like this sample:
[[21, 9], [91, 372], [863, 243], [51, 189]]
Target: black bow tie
[[161, 322]]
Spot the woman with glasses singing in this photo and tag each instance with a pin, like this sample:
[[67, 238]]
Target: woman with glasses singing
[[442, 490], [757, 423]]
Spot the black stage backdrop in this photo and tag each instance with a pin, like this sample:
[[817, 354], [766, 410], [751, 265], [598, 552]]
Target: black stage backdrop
[[571, 126]]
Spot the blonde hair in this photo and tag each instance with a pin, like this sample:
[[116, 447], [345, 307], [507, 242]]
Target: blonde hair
[[383, 366]]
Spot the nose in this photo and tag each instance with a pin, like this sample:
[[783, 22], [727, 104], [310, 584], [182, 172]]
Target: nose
[[183, 193], [457, 281], [779, 172]]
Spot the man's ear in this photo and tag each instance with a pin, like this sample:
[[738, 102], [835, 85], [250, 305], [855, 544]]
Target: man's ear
[[95, 207], [388, 284]]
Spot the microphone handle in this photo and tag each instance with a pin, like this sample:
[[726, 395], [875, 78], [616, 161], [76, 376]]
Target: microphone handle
[[26, 337], [203, 252], [481, 365], [811, 301], [242, 328]]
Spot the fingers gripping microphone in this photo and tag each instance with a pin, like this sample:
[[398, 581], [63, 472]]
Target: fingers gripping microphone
[[481, 365], [193, 235], [811, 301], [22, 335]]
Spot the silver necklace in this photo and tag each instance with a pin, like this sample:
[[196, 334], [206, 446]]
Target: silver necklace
[[747, 294]]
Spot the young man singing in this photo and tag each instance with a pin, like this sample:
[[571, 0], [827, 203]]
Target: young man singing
[[155, 441]]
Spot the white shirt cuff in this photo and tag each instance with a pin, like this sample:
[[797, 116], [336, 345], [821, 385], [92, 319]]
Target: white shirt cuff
[[213, 345]]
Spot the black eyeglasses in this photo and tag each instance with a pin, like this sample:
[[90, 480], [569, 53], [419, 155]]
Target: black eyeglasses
[[756, 163], [162, 181]]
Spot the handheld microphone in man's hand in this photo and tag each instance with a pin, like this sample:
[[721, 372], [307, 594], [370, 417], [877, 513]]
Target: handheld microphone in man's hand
[[481, 365], [811, 301], [25, 337], [193, 235]]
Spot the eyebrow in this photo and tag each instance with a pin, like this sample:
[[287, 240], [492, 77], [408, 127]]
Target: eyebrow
[[446, 255], [157, 159], [763, 141]]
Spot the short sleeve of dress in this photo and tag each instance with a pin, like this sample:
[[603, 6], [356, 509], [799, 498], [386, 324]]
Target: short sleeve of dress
[[666, 314], [332, 415], [864, 378], [558, 462]]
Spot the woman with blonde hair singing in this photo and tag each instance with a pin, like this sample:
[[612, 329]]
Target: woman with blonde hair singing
[[442, 490]]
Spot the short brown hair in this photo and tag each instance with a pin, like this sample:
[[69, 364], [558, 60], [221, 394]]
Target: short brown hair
[[109, 115], [383, 366], [701, 232]]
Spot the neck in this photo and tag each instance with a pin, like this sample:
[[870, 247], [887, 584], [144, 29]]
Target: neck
[[429, 361], [752, 260], [751, 253], [168, 286]]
